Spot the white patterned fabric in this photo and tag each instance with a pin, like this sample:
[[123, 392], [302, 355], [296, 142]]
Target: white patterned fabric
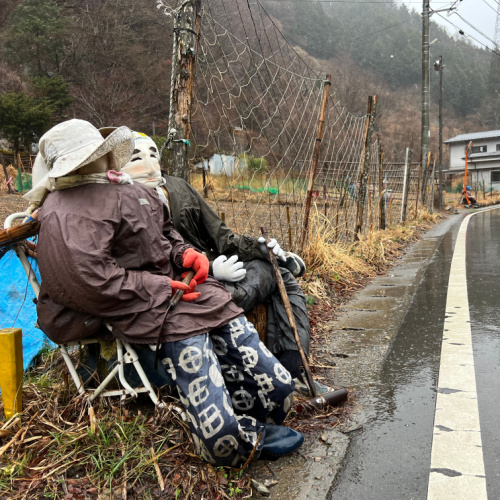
[[230, 384]]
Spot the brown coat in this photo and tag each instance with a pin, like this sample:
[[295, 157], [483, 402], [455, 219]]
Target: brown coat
[[106, 250]]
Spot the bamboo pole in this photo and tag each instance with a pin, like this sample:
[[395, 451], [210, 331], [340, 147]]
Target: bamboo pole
[[315, 158], [365, 159]]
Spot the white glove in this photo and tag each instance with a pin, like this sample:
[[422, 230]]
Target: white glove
[[294, 264], [273, 244], [225, 269]]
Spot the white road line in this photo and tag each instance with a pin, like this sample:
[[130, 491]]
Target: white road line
[[457, 466]]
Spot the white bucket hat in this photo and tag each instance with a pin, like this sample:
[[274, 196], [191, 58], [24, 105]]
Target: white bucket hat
[[72, 144]]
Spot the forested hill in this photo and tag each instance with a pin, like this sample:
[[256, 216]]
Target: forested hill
[[385, 40], [109, 61]]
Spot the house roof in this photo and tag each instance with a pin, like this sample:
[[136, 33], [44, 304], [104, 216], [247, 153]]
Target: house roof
[[488, 134], [491, 154]]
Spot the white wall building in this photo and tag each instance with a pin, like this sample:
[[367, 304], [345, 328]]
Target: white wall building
[[219, 164], [483, 165]]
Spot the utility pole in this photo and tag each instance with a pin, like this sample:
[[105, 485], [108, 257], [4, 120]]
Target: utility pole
[[186, 32], [425, 130], [438, 66]]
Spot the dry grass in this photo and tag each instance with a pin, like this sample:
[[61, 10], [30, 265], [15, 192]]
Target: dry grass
[[62, 447], [351, 264]]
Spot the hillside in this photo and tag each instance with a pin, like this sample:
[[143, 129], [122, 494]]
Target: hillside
[[109, 61]]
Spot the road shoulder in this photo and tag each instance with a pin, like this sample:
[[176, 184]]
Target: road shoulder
[[359, 341]]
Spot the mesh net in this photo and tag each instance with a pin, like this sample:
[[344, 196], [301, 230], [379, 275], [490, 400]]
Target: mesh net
[[255, 125]]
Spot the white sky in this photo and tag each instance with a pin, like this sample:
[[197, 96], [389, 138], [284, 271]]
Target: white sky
[[480, 13]]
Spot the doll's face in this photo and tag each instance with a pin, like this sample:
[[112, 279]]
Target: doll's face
[[144, 166]]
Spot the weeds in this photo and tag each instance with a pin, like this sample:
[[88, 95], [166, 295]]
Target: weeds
[[349, 265], [135, 451]]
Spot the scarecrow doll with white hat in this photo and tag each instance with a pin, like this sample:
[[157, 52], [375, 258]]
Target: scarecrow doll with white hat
[[107, 248]]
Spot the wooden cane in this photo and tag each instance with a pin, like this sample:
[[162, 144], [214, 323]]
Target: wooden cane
[[289, 313]]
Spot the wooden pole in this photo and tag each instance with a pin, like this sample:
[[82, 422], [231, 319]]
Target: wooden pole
[[365, 159], [186, 33], [418, 190], [205, 188], [315, 158], [289, 227]]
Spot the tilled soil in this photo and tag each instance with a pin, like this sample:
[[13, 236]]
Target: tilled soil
[[10, 203]]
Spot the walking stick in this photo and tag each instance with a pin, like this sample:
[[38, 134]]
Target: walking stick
[[173, 302], [289, 313]]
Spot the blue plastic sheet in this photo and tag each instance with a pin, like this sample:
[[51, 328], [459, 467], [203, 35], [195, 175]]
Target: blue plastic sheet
[[17, 309]]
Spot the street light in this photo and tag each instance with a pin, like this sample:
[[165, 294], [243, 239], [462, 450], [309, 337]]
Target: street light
[[438, 66]]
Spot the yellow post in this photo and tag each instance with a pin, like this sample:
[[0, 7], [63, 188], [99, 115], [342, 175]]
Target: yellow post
[[11, 370]]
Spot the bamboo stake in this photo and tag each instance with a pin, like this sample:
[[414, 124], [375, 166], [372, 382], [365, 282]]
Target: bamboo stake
[[315, 158]]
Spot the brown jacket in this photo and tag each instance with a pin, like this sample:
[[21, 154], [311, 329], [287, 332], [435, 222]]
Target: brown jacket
[[106, 250]]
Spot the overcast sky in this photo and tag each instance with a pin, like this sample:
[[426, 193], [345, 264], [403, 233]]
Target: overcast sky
[[480, 13]]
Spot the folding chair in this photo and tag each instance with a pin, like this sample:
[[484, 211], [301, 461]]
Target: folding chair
[[125, 353]]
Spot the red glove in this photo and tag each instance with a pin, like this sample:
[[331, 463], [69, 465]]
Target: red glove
[[189, 290], [199, 262]]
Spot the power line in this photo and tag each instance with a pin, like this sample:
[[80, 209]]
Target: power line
[[490, 6], [474, 28], [462, 32], [384, 29]]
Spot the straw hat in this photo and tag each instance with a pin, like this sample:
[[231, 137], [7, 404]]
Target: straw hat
[[72, 144]]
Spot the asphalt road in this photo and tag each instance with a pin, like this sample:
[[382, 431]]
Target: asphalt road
[[430, 435]]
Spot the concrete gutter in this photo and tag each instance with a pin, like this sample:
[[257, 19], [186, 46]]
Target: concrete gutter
[[360, 339]]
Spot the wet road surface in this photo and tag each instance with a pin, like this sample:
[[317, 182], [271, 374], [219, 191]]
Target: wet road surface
[[390, 458]]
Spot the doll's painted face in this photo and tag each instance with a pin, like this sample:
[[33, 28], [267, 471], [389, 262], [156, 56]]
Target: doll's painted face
[[144, 164]]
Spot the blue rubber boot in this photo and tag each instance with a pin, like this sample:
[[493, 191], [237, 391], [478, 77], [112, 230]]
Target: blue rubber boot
[[279, 441]]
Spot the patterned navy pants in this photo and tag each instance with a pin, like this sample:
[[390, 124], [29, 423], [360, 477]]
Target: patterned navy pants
[[229, 384]]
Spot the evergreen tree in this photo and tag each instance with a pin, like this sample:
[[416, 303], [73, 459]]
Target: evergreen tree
[[35, 37]]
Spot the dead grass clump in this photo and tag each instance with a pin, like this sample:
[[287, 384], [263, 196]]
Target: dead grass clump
[[11, 172], [380, 248], [348, 264], [62, 447], [326, 258]]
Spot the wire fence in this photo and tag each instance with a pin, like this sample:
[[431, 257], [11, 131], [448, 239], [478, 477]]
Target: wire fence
[[255, 126]]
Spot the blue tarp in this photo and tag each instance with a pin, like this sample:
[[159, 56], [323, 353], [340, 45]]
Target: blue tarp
[[17, 309]]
